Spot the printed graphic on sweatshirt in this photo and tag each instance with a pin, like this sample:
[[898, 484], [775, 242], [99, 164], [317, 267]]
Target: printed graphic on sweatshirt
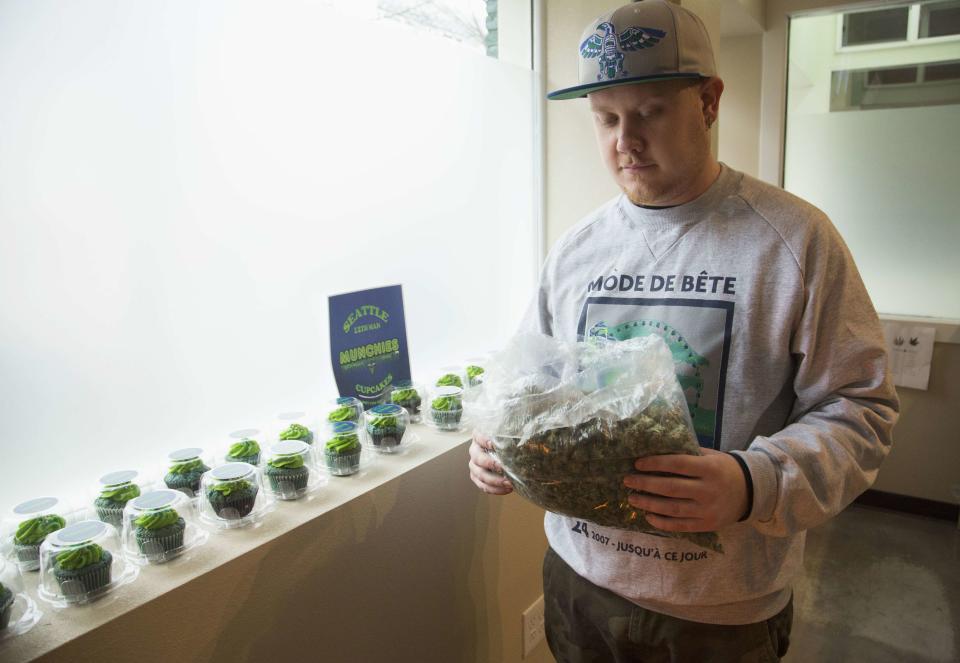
[[696, 331], [591, 532]]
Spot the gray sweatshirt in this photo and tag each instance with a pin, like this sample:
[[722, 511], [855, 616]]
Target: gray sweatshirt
[[782, 360]]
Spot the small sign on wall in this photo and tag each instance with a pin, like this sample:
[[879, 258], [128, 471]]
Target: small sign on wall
[[368, 342], [910, 348]]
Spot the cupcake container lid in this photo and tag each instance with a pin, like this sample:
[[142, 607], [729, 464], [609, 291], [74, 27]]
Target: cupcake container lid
[[231, 471], [347, 400], [344, 427], [185, 454], [289, 448], [117, 478], [31, 507], [448, 391], [244, 433], [290, 416], [156, 499], [387, 410], [78, 533]]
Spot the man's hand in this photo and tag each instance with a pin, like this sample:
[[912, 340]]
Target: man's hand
[[485, 471], [710, 494]]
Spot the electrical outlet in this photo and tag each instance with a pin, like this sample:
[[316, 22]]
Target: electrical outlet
[[533, 626]]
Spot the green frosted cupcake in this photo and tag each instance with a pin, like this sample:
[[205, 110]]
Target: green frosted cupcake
[[386, 425], [286, 469], [446, 408], [6, 606], [342, 452], [474, 375], [244, 451], [159, 534], [297, 432], [30, 534], [346, 408], [406, 396], [186, 468], [82, 572], [449, 380], [118, 489], [231, 490]]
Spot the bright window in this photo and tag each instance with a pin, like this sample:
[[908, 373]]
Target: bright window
[[182, 185]]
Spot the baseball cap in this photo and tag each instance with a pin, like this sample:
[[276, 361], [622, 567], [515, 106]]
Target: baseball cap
[[649, 40]]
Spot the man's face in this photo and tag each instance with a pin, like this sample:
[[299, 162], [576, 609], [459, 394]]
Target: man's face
[[654, 138]]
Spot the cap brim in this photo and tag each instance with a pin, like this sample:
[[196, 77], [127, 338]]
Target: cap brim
[[578, 91]]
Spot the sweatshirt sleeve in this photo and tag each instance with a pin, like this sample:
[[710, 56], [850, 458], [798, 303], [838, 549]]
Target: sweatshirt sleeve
[[840, 428]]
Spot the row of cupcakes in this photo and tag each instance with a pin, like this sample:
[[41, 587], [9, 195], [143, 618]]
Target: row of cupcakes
[[159, 530]]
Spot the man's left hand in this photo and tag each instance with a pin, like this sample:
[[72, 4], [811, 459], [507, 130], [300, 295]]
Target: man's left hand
[[709, 493]]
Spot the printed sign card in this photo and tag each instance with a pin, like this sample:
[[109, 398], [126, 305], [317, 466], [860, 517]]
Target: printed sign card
[[910, 348], [368, 342]]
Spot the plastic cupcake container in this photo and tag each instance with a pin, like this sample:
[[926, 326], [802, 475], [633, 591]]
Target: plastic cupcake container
[[409, 396], [345, 408], [159, 526], [116, 489], [81, 563], [18, 612], [445, 408], [295, 426], [231, 496], [185, 469], [343, 449], [473, 372], [450, 376], [244, 447], [291, 471], [386, 426], [28, 525]]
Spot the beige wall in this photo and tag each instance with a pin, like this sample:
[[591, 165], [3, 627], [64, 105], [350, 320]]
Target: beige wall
[[576, 181], [740, 69], [925, 459]]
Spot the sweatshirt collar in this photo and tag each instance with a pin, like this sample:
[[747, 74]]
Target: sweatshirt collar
[[679, 215]]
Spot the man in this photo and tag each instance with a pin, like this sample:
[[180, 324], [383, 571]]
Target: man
[[778, 349]]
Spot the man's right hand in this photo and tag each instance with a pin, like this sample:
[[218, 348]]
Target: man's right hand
[[485, 471]]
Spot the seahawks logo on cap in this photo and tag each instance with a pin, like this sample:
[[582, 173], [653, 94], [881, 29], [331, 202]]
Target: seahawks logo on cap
[[610, 46]]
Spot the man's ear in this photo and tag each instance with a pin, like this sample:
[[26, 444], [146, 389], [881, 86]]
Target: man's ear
[[710, 91]]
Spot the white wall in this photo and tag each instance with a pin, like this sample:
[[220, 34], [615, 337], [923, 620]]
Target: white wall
[[182, 185]]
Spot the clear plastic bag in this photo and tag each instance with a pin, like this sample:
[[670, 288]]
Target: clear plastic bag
[[568, 420]]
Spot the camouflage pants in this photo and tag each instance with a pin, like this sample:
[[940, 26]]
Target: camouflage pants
[[586, 623]]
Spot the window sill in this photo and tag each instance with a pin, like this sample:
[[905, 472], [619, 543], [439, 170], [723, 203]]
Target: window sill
[[221, 559]]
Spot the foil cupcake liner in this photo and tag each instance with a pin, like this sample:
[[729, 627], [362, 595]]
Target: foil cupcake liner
[[6, 608], [110, 512], [232, 507], [342, 465], [28, 555], [287, 483], [83, 584], [161, 544], [386, 438], [446, 419]]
